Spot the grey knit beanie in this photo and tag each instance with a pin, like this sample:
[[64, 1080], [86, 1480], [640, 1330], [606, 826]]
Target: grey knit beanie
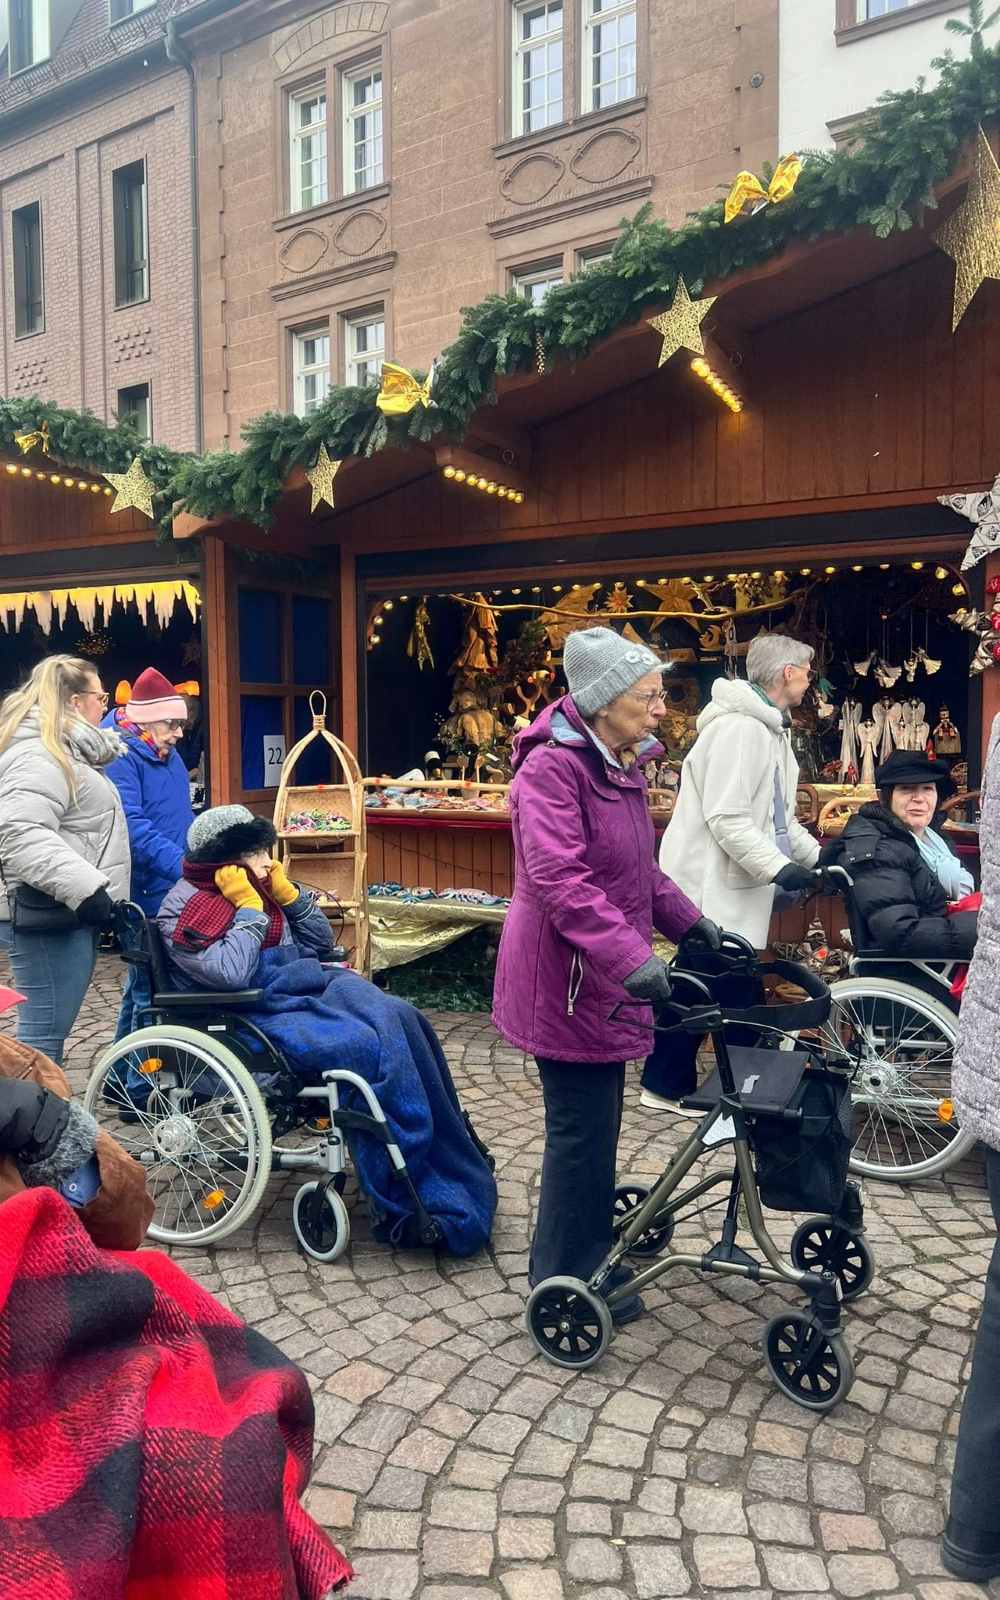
[[222, 833], [600, 665]]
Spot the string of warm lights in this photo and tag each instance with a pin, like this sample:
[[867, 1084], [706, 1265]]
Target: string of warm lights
[[487, 485], [64, 480], [706, 372]]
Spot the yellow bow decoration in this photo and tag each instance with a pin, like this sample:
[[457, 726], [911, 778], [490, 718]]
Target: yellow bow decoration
[[748, 193], [401, 391], [28, 441]]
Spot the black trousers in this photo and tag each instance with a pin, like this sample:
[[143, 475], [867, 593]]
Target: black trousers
[[975, 1499], [583, 1116], [670, 1068]]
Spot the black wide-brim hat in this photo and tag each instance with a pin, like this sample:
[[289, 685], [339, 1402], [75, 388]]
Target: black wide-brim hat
[[913, 766]]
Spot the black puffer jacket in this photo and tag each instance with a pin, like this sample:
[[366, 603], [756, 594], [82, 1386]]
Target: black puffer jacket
[[898, 897]]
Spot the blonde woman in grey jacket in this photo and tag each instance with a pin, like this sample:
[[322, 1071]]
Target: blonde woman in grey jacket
[[62, 832]]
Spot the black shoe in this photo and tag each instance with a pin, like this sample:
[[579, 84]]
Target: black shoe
[[969, 1554]]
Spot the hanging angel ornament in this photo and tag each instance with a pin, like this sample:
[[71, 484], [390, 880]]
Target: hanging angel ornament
[[418, 645], [868, 738], [850, 717]]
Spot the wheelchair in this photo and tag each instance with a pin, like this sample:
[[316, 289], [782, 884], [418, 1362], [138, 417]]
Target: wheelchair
[[202, 1099], [896, 1019], [756, 1100]]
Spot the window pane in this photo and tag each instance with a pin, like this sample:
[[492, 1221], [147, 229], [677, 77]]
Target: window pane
[[307, 156], [362, 110], [315, 765], [131, 263], [311, 370], [867, 9], [365, 339], [26, 226], [535, 285], [260, 714], [310, 640], [610, 52], [134, 403], [538, 57], [260, 636]]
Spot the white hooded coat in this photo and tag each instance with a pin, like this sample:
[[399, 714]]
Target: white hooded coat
[[719, 846]]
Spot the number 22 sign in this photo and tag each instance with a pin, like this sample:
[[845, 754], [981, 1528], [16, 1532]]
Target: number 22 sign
[[274, 756]]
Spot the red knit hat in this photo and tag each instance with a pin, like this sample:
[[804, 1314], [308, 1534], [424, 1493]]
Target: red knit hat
[[154, 699]]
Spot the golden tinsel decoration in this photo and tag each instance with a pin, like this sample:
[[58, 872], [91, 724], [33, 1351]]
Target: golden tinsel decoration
[[971, 236]]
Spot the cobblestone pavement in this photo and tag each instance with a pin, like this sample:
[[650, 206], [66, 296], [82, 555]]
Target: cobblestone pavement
[[452, 1461]]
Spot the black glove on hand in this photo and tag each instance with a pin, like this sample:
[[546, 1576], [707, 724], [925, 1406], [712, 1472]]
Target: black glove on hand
[[650, 982], [797, 880], [97, 911], [32, 1119], [705, 933]]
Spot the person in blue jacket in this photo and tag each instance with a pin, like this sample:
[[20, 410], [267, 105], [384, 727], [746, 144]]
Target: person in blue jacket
[[155, 792]]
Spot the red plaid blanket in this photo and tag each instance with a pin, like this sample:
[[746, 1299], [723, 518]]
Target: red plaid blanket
[[152, 1447]]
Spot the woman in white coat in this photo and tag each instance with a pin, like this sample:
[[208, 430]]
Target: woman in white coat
[[64, 852], [734, 840]]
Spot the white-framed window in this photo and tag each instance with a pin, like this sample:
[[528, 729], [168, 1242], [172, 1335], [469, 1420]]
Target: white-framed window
[[868, 10], [120, 9], [609, 70], [307, 158], [594, 255], [310, 368], [534, 283], [29, 33], [537, 69], [364, 348], [361, 95]]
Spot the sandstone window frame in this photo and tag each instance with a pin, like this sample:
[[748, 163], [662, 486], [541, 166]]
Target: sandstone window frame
[[575, 108], [296, 138], [848, 27], [302, 372], [330, 76], [28, 266], [350, 115], [527, 275], [350, 322], [590, 21], [586, 256]]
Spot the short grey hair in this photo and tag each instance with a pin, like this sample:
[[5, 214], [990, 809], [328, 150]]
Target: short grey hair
[[770, 653]]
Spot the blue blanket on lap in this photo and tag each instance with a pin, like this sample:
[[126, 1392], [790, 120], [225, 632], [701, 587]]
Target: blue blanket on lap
[[321, 1018]]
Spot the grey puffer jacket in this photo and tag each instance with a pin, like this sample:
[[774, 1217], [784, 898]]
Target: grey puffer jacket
[[976, 1073], [51, 839]]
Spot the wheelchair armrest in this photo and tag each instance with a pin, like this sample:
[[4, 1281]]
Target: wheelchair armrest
[[205, 999]]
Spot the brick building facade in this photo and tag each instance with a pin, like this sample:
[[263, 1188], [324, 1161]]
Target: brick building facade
[[368, 169], [96, 230]]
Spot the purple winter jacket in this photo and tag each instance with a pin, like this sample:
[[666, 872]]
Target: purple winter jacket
[[587, 895]]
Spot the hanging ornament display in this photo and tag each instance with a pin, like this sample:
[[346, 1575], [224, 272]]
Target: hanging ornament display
[[132, 489], [971, 236], [400, 391], [320, 477], [980, 625], [748, 195], [478, 652], [418, 645], [36, 436], [984, 511], [539, 352], [680, 327], [619, 600]]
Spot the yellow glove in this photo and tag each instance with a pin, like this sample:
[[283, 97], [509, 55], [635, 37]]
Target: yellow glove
[[237, 888], [282, 890]]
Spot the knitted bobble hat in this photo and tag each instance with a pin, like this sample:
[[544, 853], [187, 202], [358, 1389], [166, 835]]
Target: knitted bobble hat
[[600, 665], [224, 833], [154, 699]]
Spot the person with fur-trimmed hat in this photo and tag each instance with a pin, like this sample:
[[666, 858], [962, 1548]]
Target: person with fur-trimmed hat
[[232, 902], [905, 874]]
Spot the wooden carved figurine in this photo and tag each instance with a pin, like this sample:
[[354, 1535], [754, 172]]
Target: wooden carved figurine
[[471, 723], [947, 739], [479, 641]]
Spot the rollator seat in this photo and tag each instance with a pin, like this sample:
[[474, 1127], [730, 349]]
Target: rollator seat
[[765, 1080]]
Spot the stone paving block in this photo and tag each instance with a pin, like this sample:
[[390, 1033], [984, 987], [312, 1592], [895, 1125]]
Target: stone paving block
[[905, 1513], [774, 1523], [452, 1420], [546, 1457], [387, 1530], [500, 1433], [386, 1577], [713, 1510], [836, 1487], [526, 1538], [568, 1421], [399, 1488], [332, 1508], [345, 1468], [593, 1560], [477, 1469], [795, 1571], [528, 1494], [422, 1451], [636, 1412], [725, 1563], [777, 1440], [600, 1483], [379, 1427], [358, 1381], [450, 1553], [843, 1531], [613, 1447], [472, 1509], [646, 1525], [532, 1583], [658, 1570], [856, 1575]]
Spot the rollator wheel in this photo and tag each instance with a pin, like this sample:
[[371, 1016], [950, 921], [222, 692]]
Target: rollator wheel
[[323, 1229], [811, 1367], [650, 1243], [570, 1324], [820, 1245]]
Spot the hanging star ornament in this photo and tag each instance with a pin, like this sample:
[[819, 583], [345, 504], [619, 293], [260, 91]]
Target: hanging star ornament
[[971, 236], [680, 327], [132, 488], [984, 511], [321, 478]]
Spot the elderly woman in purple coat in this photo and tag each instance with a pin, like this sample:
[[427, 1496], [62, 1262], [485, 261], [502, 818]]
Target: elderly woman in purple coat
[[577, 942]]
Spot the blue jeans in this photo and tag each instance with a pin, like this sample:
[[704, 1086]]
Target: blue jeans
[[135, 996], [53, 972]]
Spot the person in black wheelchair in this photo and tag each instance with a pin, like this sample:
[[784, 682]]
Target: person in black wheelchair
[[905, 875]]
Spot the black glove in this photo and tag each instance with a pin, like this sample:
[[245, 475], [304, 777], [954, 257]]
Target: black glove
[[97, 911], [704, 933], [32, 1120], [650, 982], [797, 880]]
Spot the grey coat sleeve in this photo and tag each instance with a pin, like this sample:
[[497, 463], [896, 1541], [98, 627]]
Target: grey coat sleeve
[[230, 962], [310, 928], [34, 799]]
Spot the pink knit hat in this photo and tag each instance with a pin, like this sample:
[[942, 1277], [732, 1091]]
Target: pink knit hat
[[154, 699]]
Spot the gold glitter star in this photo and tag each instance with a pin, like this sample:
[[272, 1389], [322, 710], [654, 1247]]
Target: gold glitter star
[[132, 488], [680, 327], [971, 236], [321, 478]]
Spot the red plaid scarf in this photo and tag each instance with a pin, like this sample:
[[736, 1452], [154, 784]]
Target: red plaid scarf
[[152, 1444], [208, 914]]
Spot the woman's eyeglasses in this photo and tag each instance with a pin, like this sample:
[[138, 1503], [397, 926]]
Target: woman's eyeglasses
[[650, 700]]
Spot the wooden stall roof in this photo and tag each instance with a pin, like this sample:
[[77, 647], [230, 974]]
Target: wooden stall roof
[[36, 514]]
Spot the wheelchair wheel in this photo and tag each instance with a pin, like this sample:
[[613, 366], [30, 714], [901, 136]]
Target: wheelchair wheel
[[569, 1323], [813, 1368], [903, 1042], [190, 1113], [627, 1197], [322, 1227], [820, 1245]]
